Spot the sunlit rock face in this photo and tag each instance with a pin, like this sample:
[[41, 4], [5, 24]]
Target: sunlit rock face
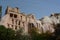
[[46, 19], [14, 19], [39, 26], [55, 18], [47, 22], [47, 28]]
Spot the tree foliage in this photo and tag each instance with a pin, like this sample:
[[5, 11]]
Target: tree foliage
[[9, 34], [6, 34], [57, 31], [0, 9]]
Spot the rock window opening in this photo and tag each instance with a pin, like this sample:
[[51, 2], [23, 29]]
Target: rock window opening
[[21, 17], [15, 27], [19, 23], [31, 25], [15, 16], [16, 22], [12, 26], [12, 21], [11, 15]]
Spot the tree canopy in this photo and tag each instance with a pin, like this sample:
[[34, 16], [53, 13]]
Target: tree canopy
[[0, 9]]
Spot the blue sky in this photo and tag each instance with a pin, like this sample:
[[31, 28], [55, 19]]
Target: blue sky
[[39, 8]]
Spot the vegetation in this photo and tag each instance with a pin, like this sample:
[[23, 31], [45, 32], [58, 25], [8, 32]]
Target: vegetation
[[37, 36], [9, 34], [6, 34], [57, 31], [0, 12], [0, 9]]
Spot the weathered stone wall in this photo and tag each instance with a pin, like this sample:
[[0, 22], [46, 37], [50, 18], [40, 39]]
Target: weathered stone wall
[[14, 19]]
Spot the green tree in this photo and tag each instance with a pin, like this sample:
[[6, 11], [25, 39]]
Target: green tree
[[44, 36], [18, 34], [0, 9], [6, 34], [57, 32], [2, 32], [0, 12], [10, 34]]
